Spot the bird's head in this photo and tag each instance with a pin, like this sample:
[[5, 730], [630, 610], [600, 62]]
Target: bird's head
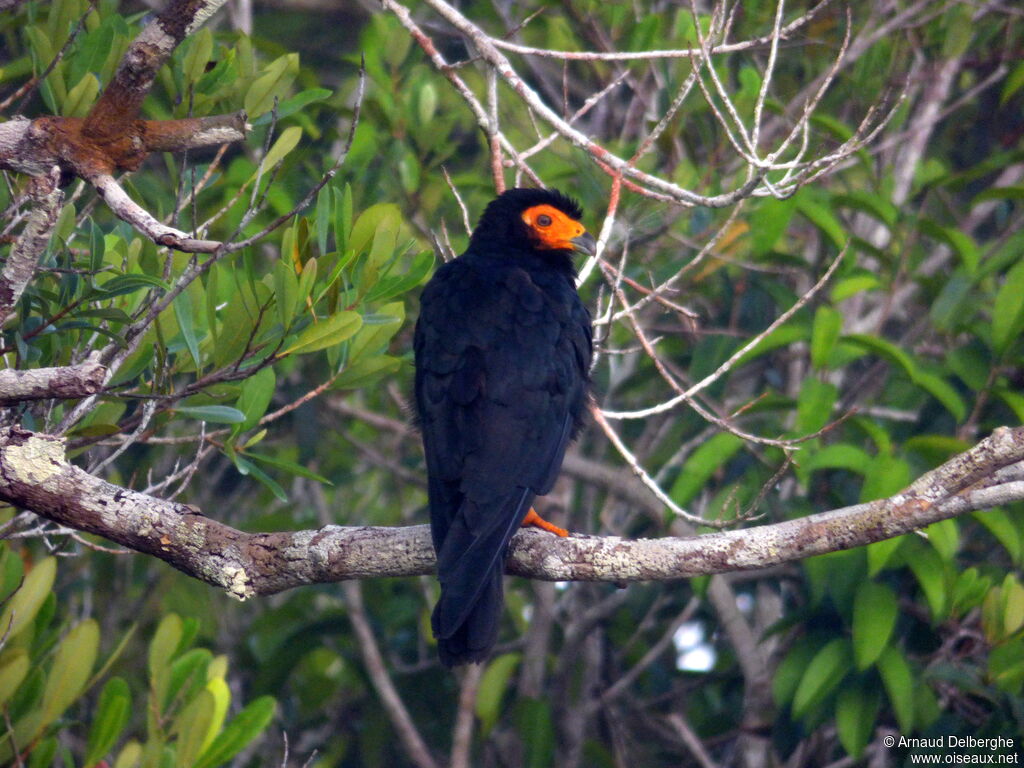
[[537, 219]]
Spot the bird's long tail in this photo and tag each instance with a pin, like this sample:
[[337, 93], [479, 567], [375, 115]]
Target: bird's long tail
[[471, 566]]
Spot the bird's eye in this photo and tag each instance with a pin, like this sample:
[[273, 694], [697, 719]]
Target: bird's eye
[[543, 220]]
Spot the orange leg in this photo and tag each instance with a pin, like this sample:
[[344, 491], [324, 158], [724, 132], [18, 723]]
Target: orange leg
[[532, 518]]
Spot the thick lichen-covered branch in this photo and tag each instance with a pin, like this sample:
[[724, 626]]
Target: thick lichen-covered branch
[[35, 475]]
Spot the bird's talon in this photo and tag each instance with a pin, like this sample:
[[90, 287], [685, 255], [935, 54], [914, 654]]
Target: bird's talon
[[532, 518]]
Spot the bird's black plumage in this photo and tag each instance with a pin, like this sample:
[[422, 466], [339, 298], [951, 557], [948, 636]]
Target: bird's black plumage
[[503, 349]]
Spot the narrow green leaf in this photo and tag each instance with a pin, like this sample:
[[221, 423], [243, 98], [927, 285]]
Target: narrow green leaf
[[702, 464], [245, 727], [81, 97], [109, 721], [828, 325], [217, 414], [164, 644], [366, 370], [1014, 82], [192, 725], [814, 405], [286, 142], [124, 284], [183, 314], [791, 670], [824, 673], [875, 609], [899, 686], [72, 666], [328, 332], [257, 392], [839, 456], [21, 610], [1004, 528], [821, 216], [274, 81], [856, 712], [246, 467], [493, 684], [14, 665], [194, 63], [288, 466], [930, 572], [1008, 311], [295, 104], [961, 243]]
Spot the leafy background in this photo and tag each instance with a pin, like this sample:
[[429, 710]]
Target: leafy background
[[915, 342]]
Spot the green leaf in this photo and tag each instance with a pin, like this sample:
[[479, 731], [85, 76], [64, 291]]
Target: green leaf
[[192, 726], [295, 104], [944, 536], [1008, 311], [277, 77], [21, 610], [828, 325], [109, 721], [872, 204], [194, 63], [839, 456], [14, 665], [875, 609], [814, 405], [124, 284], [162, 649], [377, 330], [326, 333], [71, 668], [702, 464], [385, 216], [366, 370], [885, 476], [286, 293], [856, 712], [217, 414], [81, 97], [846, 287], [1003, 527], [1014, 82], [881, 553], [257, 392], [286, 142], [958, 240], [246, 467], [930, 572], [288, 466], [245, 727], [183, 314], [820, 216], [768, 223], [791, 670], [824, 673], [899, 686], [493, 684], [534, 720]]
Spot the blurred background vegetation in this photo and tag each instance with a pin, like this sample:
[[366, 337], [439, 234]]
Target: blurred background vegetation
[[909, 355]]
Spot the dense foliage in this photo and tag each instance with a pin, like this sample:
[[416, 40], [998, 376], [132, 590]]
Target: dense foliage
[[909, 354]]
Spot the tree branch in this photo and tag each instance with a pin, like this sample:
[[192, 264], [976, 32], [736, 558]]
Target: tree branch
[[24, 255], [35, 475], [70, 381]]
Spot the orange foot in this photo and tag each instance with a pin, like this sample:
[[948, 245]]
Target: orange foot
[[532, 518]]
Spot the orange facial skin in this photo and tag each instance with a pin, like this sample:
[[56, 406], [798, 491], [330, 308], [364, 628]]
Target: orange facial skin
[[552, 229]]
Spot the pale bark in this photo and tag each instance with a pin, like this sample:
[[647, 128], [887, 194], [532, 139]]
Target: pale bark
[[35, 475]]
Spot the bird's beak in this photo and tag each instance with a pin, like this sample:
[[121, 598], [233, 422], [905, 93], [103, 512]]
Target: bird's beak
[[585, 243]]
